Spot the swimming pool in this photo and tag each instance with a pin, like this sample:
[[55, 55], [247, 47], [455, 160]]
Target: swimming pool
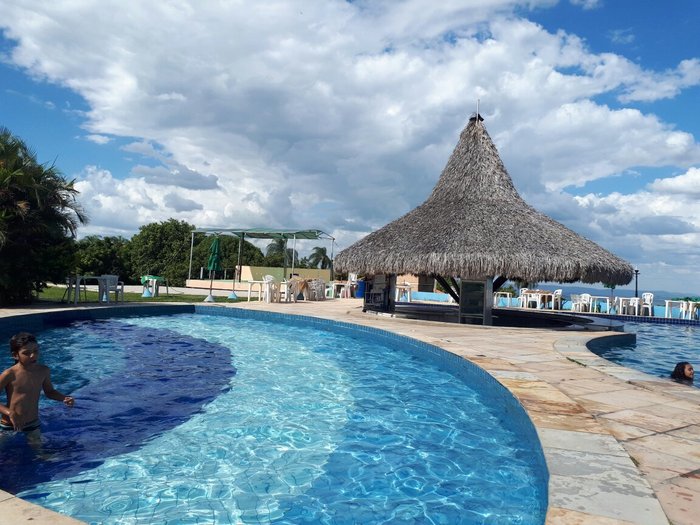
[[658, 348], [196, 418]]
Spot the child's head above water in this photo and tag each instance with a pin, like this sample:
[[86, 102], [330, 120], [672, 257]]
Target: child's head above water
[[19, 341], [683, 371]]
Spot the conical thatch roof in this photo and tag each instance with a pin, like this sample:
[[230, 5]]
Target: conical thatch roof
[[475, 225]]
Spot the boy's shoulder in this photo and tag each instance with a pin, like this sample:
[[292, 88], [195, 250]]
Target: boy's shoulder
[[7, 375]]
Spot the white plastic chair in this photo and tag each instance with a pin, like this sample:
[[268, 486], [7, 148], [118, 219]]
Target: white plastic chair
[[271, 289], [523, 297], [617, 305], [109, 284], [557, 299], [349, 285], [693, 310], [575, 299], [633, 305], [647, 303], [581, 302], [585, 302]]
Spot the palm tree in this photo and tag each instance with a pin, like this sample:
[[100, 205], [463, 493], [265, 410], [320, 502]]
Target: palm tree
[[39, 217], [276, 247], [319, 258], [277, 250]]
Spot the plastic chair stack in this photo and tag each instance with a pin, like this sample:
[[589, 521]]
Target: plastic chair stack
[[557, 300], [647, 303], [271, 289]]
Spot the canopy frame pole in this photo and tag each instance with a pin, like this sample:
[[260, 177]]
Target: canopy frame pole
[[294, 250], [239, 268], [189, 274], [284, 258], [332, 263]]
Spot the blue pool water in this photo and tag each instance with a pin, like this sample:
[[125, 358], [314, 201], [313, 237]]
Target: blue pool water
[[207, 419], [658, 348]]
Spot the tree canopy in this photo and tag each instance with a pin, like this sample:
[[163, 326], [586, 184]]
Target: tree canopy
[[104, 255], [39, 217], [161, 248]]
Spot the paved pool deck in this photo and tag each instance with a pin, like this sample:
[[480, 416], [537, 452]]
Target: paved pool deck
[[622, 447]]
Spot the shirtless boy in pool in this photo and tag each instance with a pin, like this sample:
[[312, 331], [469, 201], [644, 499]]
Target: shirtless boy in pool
[[23, 384]]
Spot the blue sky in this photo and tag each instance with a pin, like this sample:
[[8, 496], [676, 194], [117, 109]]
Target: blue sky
[[341, 115]]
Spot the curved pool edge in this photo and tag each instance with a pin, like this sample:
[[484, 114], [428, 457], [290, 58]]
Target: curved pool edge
[[586, 461]]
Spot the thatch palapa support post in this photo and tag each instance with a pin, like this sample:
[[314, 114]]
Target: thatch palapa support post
[[476, 301]]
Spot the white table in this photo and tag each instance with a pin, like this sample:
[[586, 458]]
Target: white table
[[597, 300], [343, 289], [540, 297], [505, 295], [682, 307], [401, 288], [624, 303], [101, 281], [285, 291], [72, 293], [259, 285]]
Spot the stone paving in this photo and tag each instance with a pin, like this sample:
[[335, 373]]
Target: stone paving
[[621, 447]]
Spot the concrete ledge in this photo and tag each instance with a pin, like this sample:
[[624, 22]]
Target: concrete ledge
[[15, 511]]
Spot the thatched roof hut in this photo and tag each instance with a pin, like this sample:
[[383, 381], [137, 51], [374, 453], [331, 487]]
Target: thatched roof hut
[[475, 225]]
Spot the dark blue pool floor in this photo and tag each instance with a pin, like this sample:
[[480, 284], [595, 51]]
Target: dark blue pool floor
[[176, 375]]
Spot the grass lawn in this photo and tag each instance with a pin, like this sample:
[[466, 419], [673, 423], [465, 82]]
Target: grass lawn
[[54, 294]]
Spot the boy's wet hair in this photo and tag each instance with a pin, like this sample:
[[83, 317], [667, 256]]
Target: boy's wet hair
[[20, 340]]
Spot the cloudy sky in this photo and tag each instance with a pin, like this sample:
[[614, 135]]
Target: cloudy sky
[[340, 115]]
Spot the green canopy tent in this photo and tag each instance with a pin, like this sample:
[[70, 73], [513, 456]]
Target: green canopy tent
[[213, 265], [262, 233]]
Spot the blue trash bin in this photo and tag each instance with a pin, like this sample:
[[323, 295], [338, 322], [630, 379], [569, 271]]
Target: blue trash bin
[[360, 290]]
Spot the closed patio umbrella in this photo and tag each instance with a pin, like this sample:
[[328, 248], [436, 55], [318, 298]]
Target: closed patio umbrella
[[213, 265]]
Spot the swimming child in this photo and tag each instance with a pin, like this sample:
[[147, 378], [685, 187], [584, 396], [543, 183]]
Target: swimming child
[[683, 372], [23, 383]]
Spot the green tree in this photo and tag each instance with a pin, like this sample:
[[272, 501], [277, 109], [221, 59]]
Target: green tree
[[319, 258], [39, 216], [104, 255], [162, 248]]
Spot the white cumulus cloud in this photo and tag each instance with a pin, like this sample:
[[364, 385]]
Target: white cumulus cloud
[[341, 115]]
